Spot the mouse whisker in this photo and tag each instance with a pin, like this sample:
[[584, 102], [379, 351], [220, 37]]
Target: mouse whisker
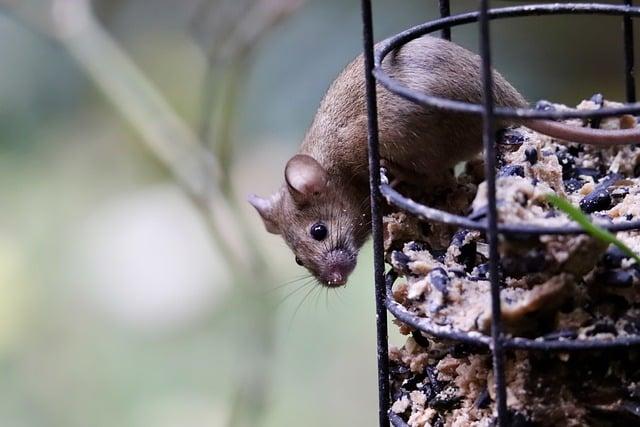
[[295, 291], [316, 297], [290, 282], [300, 305]]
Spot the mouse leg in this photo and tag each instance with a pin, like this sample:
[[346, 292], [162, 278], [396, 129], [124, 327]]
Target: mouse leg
[[396, 174]]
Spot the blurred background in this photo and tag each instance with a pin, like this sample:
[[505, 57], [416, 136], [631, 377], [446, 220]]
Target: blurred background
[[137, 287]]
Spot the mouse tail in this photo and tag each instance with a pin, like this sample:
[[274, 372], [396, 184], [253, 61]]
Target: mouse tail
[[584, 135]]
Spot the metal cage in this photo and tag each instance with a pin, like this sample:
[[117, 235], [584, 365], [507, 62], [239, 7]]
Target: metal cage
[[497, 342]]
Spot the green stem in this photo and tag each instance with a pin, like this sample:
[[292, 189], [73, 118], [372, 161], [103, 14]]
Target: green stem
[[594, 230]]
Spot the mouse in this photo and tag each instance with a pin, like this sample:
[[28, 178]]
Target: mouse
[[322, 209]]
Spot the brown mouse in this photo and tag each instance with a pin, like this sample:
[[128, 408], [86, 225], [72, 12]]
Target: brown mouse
[[322, 210]]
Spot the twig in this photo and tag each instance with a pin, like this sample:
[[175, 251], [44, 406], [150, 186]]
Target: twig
[[164, 133]]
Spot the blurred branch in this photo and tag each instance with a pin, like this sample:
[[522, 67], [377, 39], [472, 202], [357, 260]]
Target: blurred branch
[[228, 55], [139, 101], [205, 177], [164, 133], [232, 41]]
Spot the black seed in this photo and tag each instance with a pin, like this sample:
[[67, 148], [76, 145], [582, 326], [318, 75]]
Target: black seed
[[516, 419], [483, 400], [439, 279], [575, 149], [398, 369], [468, 255], [420, 339], [510, 137], [511, 170], [544, 105], [619, 194], [609, 180], [534, 261], [401, 260], [439, 254], [613, 257], [419, 246], [568, 164], [616, 278], [597, 200], [458, 237], [482, 270], [531, 155], [562, 333], [551, 214], [603, 327], [573, 184], [461, 349], [632, 326], [456, 272], [445, 402], [412, 383], [432, 374], [595, 173]]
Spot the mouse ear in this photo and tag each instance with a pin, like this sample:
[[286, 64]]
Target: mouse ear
[[267, 210], [305, 177]]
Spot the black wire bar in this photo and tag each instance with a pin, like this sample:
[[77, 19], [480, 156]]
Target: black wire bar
[[420, 98], [629, 74], [488, 140], [376, 217], [479, 339], [394, 198], [445, 11], [379, 187]]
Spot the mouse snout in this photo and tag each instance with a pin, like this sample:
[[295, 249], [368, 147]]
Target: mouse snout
[[339, 264]]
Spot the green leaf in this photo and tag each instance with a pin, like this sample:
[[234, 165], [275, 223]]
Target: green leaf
[[585, 222]]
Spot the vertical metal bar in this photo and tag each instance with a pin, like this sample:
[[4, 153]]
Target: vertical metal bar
[[445, 10], [492, 231], [376, 217], [627, 24]]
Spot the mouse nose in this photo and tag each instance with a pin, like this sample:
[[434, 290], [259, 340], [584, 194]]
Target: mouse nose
[[337, 278], [339, 264]]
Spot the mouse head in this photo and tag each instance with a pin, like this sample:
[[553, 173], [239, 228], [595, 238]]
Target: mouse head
[[324, 223]]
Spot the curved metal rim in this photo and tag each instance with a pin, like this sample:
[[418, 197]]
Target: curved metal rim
[[396, 199], [507, 12], [445, 332]]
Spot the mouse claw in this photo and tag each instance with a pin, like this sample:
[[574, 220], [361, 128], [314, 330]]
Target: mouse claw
[[383, 176]]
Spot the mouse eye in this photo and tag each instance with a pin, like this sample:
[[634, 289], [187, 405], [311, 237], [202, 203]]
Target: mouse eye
[[318, 231], [298, 261]]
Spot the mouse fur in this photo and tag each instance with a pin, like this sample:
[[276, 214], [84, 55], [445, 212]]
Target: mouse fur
[[326, 182]]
